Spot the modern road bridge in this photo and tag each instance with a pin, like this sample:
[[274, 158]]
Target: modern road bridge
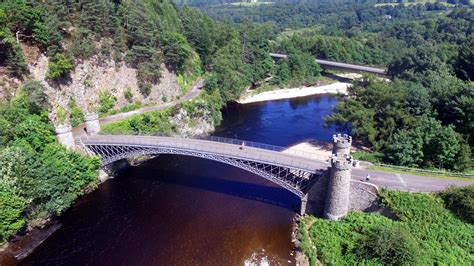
[[341, 65], [293, 170]]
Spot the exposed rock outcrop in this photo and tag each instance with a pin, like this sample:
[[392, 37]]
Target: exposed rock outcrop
[[90, 77]]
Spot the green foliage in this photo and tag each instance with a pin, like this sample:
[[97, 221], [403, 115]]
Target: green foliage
[[106, 101], [83, 44], [77, 115], [127, 108], [461, 202], [152, 123], [176, 50], [61, 115], [11, 218], [37, 98], [374, 157], [426, 233], [59, 66], [390, 246], [145, 89], [128, 94], [411, 124], [37, 175]]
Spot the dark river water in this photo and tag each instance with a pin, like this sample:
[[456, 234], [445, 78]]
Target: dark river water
[[177, 210]]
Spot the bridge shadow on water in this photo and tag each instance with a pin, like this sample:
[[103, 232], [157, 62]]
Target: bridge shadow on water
[[268, 194]]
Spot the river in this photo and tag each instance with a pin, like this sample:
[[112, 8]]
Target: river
[[177, 210]]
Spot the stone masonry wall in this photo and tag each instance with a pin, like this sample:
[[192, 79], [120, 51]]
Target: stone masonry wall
[[363, 196]]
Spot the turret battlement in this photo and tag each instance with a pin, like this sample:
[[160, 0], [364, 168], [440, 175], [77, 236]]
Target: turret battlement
[[341, 144], [343, 162]]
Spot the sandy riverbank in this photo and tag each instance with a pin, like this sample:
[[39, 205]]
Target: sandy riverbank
[[335, 88]]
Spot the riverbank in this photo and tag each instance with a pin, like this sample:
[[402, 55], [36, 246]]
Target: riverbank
[[335, 88]]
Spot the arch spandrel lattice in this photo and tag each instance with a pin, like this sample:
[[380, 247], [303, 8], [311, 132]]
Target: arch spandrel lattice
[[292, 179]]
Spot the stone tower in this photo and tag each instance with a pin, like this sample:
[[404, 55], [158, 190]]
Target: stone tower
[[341, 144], [92, 123], [64, 135], [339, 185]]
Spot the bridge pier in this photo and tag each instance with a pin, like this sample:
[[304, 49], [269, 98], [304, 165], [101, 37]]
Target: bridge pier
[[64, 136], [92, 123], [339, 186]]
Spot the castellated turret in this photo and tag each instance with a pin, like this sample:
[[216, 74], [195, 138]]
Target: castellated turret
[[337, 201], [92, 123], [341, 144]]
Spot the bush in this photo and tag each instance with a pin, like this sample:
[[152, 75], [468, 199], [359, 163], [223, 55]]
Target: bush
[[423, 221], [11, 218], [128, 95], [59, 66], [37, 98], [106, 100], [145, 89], [461, 202], [77, 116], [390, 246]]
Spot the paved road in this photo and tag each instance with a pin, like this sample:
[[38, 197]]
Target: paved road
[[407, 182], [79, 131]]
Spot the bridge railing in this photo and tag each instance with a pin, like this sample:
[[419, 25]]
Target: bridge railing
[[252, 144]]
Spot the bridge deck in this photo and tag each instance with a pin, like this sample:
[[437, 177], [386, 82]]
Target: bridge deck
[[293, 159], [340, 65]]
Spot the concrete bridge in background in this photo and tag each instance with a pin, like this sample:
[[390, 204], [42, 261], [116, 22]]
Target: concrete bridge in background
[[341, 66]]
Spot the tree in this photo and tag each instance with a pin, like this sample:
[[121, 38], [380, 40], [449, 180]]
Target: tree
[[176, 51], [37, 98], [59, 66], [465, 61]]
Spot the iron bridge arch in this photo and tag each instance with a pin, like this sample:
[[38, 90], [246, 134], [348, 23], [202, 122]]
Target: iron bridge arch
[[292, 179]]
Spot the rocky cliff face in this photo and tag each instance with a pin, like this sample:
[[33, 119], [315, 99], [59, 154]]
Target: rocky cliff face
[[192, 127], [97, 74]]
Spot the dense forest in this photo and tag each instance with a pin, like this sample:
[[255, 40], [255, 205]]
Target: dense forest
[[425, 117]]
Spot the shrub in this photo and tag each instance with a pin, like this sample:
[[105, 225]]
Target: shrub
[[145, 89], [461, 202], [77, 116], [59, 66], [390, 246], [37, 98], [83, 44], [106, 100], [11, 218], [128, 94], [61, 115]]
